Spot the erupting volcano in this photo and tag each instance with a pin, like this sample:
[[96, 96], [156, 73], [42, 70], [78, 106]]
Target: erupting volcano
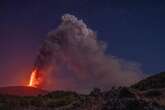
[[36, 79], [72, 58]]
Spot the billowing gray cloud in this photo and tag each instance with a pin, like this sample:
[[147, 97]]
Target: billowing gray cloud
[[73, 58]]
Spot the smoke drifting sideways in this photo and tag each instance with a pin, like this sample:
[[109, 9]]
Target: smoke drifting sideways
[[72, 58]]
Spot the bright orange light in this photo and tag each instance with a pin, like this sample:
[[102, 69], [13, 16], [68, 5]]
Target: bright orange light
[[32, 78], [36, 79]]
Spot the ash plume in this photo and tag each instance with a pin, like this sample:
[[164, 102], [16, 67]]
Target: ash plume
[[73, 58]]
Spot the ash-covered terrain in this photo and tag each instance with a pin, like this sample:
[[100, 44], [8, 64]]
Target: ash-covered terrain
[[151, 97]]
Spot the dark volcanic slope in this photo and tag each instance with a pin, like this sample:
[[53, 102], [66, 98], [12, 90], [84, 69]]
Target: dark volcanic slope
[[153, 82], [115, 99], [21, 91]]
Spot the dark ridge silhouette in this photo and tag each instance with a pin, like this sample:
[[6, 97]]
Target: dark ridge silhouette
[[21, 91], [153, 82]]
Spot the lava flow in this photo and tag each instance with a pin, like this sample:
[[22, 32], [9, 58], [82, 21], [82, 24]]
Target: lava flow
[[36, 79]]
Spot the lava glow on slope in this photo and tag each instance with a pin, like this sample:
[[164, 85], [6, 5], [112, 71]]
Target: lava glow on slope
[[36, 79]]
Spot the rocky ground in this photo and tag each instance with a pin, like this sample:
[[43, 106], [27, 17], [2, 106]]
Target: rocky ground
[[116, 99], [144, 95]]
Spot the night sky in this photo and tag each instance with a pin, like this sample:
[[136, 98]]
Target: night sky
[[133, 29]]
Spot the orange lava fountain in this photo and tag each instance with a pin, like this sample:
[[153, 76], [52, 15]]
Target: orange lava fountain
[[36, 79]]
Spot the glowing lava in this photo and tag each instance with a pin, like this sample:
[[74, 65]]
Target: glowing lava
[[36, 79]]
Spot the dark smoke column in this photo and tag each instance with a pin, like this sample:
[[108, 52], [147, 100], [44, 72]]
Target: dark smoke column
[[73, 58]]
